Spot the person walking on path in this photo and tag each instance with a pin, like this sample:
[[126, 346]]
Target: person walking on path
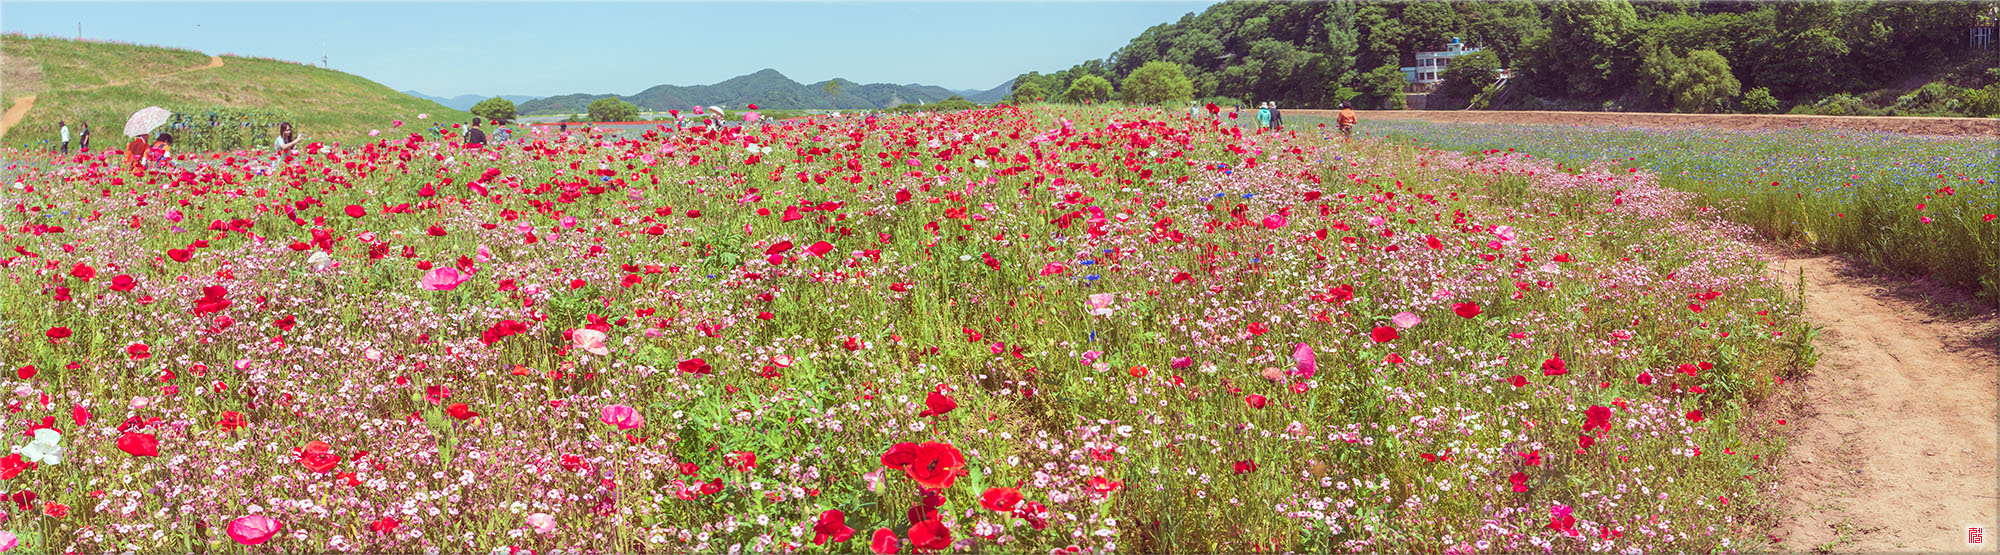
[[83, 140], [1264, 115], [475, 137], [1277, 119], [288, 137], [1347, 120], [65, 136]]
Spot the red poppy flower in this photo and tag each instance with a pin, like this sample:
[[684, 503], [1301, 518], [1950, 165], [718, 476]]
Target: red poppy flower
[[932, 465], [386, 525], [1597, 417], [832, 525], [695, 366], [1466, 310], [1255, 401], [820, 248], [930, 535], [1517, 381], [317, 456], [13, 465], [460, 411], [1554, 367], [139, 445], [180, 255], [1000, 500], [884, 542], [1695, 415], [211, 300], [57, 332], [82, 271], [138, 351], [1645, 378], [1520, 481], [231, 420], [938, 404], [122, 282], [1384, 334], [1243, 467], [356, 211]]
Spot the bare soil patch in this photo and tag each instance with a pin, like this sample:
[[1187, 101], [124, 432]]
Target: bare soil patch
[[1892, 439]]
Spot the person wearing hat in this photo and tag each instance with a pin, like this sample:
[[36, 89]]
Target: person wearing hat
[[1277, 119], [1264, 115]]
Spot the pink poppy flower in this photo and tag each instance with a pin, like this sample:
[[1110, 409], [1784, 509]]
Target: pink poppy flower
[[590, 340], [624, 417], [254, 529], [444, 278]]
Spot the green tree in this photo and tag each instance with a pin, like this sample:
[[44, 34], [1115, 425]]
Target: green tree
[[1586, 53], [496, 110], [1469, 74], [1088, 88], [832, 89], [1343, 43], [1158, 82], [1656, 74], [612, 109], [1505, 27], [1759, 101], [1703, 83], [1383, 86], [1027, 91]]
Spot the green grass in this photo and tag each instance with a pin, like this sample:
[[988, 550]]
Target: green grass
[[1915, 205], [327, 105]]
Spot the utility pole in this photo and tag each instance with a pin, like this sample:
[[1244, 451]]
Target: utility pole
[[322, 54], [79, 30]]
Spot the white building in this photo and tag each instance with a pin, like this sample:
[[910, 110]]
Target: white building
[[1430, 65]]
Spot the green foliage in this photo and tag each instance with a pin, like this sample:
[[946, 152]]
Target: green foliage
[[1587, 52], [952, 104], [1088, 88], [1469, 74], [1759, 101], [1703, 83], [1157, 83], [1932, 98], [1981, 102], [1030, 88], [1383, 88], [613, 109], [496, 110]]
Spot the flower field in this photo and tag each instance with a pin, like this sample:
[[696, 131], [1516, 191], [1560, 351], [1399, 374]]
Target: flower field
[[1921, 205], [1046, 330]]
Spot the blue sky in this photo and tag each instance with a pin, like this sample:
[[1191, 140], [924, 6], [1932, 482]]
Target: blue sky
[[548, 48]]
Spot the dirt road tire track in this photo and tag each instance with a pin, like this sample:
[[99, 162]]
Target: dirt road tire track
[[1892, 443]]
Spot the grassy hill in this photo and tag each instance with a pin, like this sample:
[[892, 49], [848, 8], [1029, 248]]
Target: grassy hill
[[103, 83]]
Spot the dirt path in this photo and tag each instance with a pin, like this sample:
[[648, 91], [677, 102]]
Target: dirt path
[[1892, 443], [21, 105], [1958, 127]]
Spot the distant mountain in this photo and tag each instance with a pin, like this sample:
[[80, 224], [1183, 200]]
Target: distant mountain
[[466, 101], [767, 89], [992, 95]]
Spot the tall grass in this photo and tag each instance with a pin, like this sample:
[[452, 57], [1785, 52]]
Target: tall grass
[[1917, 205]]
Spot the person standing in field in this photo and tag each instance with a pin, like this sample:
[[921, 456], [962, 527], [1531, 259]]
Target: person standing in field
[[1277, 119], [475, 137], [1263, 115], [83, 140], [1347, 120], [65, 136]]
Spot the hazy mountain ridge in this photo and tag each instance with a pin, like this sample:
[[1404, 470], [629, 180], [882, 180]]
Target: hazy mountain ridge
[[767, 89]]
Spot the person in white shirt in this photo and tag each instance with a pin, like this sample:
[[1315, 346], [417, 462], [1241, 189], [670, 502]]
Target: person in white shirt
[[65, 136]]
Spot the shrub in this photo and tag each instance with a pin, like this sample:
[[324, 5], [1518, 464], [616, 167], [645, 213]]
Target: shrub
[[613, 109], [1089, 88], [1759, 101], [1158, 82], [1981, 102]]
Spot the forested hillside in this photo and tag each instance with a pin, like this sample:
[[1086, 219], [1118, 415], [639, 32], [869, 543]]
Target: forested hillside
[[1698, 56]]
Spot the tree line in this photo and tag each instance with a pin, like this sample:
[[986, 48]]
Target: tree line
[[1683, 55]]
